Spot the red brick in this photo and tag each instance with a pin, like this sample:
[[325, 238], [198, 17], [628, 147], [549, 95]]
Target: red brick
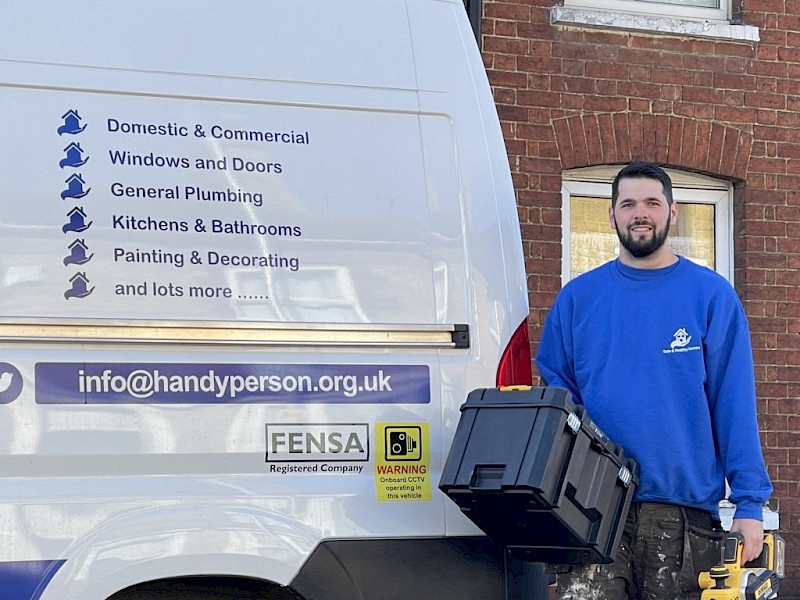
[[601, 70], [578, 138], [787, 119], [765, 116], [534, 30], [688, 143], [605, 103], [504, 45], [742, 160], [636, 135], [669, 145], [593, 52], [561, 128], [512, 113], [513, 79], [605, 87], [734, 48], [703, 61], [734, 82], [662, 107], [715, 148], [507, 10], [539, 98], [768, 84], [702, 140], [778, 70], [767, 165], [593, 142], [650, 133], [766, 100], [575, 85], [504, 28], [702, 79], [638, 89], [789, 55], [607, 139], [538, 64], [573, 103], [705, 95], [622, 136], [676, 44]]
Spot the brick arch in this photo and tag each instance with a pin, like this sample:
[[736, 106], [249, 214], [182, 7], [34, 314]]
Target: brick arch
[[681, 142]]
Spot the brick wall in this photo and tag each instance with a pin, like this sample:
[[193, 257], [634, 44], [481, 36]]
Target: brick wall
[[570, 97]]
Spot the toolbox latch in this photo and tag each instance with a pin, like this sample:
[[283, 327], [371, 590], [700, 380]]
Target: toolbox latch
[[574, 422], [625, 476]]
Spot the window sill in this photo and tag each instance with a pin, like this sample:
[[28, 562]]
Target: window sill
[[562, 15]]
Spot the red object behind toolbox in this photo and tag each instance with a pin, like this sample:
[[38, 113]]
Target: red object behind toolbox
[[531, 469]]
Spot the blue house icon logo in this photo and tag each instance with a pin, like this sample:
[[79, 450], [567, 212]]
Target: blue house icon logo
[[73, 156], [77, 221], [77, 255], [72, 123], [74, 189], [80, 287]]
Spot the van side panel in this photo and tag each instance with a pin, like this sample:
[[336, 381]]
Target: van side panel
[[252, 263]]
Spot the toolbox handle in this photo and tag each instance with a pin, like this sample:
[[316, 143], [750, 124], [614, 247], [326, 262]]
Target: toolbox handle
[[487, 478]]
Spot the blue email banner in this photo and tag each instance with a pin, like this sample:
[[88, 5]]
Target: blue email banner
[[179, 383]]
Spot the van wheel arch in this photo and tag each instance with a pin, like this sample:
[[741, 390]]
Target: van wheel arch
[[206, 588]]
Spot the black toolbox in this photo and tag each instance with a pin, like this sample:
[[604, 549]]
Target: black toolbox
[[531, 469]]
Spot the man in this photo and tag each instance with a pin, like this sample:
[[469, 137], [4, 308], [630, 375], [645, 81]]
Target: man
[[657, 348]]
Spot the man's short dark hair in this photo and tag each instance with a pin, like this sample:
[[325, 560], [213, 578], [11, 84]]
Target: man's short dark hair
[[647, 170]]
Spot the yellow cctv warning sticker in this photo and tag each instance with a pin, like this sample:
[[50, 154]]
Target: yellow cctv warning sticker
[[402, 462]]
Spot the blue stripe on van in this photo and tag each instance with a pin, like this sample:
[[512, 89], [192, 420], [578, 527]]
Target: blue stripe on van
[[190, 383], [26, 580]]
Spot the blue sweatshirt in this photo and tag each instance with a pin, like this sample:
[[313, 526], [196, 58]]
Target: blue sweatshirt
[[662, 361]]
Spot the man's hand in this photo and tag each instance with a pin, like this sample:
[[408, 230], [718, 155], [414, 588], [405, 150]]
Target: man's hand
[[753, 532]]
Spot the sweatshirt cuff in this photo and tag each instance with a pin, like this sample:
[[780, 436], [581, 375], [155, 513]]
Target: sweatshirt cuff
[[748, 509]]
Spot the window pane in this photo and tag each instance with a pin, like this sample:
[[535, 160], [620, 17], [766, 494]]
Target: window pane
[[693, 237], [593, 241]]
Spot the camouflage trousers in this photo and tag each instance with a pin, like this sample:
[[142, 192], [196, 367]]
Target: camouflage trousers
[[664, 547]]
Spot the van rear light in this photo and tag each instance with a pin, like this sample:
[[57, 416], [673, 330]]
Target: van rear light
[[515, 364]]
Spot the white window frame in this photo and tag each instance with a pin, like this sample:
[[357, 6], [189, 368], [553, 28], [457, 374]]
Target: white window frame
[[681, 10], [595, 182]]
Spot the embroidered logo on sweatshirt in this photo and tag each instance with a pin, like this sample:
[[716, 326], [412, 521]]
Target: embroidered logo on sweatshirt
[[680, 342], [682, 339]]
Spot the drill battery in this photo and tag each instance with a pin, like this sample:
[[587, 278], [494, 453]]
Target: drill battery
[[758, 579]]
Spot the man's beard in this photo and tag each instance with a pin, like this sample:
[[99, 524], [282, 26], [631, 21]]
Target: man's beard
[[645, 246]]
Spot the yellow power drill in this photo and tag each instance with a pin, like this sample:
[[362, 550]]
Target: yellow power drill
[[758, 579]]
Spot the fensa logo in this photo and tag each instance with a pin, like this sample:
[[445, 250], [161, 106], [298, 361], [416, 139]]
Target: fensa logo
[[305, 442]]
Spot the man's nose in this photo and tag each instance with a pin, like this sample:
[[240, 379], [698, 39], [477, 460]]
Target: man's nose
[[641, 210]]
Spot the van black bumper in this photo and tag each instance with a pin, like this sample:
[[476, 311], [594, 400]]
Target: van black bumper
[[463, 568]]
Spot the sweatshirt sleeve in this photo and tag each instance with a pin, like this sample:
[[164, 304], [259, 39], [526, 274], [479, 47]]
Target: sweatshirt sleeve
[[732, 402], [553, 357]]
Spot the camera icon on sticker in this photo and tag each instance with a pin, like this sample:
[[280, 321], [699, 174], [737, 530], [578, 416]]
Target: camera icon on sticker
[[403, 443]]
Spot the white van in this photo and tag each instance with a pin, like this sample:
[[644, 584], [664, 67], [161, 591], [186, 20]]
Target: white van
[[254, 256]]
